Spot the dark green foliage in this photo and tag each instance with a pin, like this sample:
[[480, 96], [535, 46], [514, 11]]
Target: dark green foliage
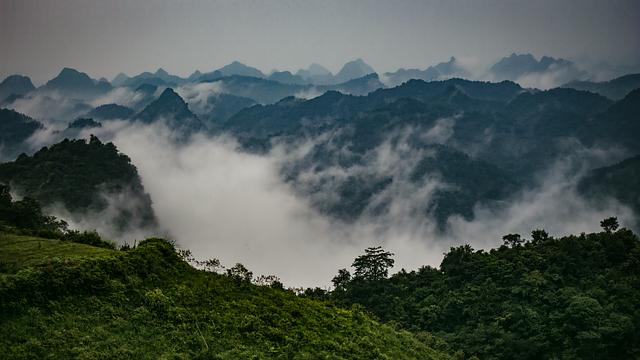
[[573, 297], [620, 181], [148, 303], [374, 265], [15, 128], [78, 174], [26, 214], [87, 237], [82, 123]]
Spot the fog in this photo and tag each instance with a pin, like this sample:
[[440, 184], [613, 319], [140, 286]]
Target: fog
[[223, 203]]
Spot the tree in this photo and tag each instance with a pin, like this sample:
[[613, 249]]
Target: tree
[[374, 264], [240, 273], [609, 224], [341, 281], [512, 240], [539, 235]]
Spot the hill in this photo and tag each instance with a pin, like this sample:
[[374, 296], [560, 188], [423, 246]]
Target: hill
[[147, 302], [15, 128], [615, 89], [546, 298], [83, 176], [620, 181]]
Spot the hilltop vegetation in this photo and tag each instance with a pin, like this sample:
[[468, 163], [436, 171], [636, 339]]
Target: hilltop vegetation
[[78, 174], [147, 302], [572, 297]]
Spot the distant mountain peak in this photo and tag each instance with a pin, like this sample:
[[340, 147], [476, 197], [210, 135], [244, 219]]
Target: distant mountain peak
[[169, 106], [161, 72], [353, 69], [15, 85], [238, 68]]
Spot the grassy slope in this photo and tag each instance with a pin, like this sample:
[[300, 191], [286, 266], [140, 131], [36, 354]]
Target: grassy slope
[[66, 300]]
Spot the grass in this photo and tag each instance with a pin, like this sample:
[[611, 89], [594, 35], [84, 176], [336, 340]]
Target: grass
[[70, 300], [17, 251]]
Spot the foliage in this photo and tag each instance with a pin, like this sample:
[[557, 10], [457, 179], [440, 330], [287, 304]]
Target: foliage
[[573, 297], [79, 174], [373, 265], [148, 303]]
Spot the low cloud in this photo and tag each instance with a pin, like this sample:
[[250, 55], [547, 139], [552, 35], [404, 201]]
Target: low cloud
[[223, 203]]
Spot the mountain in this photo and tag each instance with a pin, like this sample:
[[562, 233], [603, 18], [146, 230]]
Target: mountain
[[316, 74], [238, 68], [15, 85], [172, 109], [286, 77], [84, 123], [516, 66], [359, 86], [135, 303], [618, 125], [218, 107], [620, 181], [110, 112], [484, 128], [403, 75], [353, 70], [159, 78], [81, 175], [441, 71], [71, 82], [15, 128], [195, 76], [119, 80], [615, 89], [261, 90]]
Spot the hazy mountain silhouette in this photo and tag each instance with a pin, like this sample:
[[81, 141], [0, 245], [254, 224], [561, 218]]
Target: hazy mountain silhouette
[[15, 85], [615, 89]]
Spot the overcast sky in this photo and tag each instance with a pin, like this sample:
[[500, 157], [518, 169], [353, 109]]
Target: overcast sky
[[102, 38]]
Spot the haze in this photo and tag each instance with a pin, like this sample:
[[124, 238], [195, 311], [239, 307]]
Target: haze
[[102, 38]]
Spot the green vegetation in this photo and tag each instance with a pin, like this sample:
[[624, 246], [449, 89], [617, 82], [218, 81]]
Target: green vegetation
[[67, 300], [79, 175], [573, 297]]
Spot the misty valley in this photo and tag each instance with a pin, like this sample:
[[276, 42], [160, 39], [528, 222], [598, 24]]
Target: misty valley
[[234, 214]]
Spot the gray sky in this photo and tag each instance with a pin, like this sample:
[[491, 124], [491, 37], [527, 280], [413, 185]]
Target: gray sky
[[102, 38]]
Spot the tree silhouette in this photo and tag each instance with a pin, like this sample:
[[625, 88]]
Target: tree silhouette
[[374, 264]]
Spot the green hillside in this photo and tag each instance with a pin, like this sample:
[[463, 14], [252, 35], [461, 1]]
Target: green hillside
[[66, 300], [573, 297]]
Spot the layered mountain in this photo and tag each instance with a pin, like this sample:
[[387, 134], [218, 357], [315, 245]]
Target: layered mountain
[[620, 181], [441, 71], [84, 177], [286, 77], [240, 69], [516, 66], [159, 78], [110, 112], [71, 82], [358, 86], [15, 85], [171, 109], [316, 74], [119, 79], [353, 70], [15, 128], [481, 141], [615, 89]]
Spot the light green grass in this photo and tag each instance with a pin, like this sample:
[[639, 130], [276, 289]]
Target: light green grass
[[22, 251]]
